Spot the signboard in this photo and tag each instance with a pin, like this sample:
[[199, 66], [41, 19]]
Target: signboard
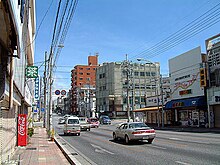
[[22, 130], [36, 95], [35, 111], [32, 71], [42, 109]]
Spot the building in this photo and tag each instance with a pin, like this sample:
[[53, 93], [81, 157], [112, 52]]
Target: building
[[17, 32], [117, 80], [188, 105], [83, 76], [213, 91]]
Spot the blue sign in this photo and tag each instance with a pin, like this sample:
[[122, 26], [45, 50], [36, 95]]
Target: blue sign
[[57, 92], [35, 111], [36, 88], [42, 110]]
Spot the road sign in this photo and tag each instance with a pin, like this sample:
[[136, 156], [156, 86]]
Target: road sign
[[42, 110], [57, 92], [32, 71], [63, 92]]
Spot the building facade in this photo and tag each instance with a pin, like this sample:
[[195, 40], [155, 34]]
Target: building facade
[[17, 32], [188, 105], [82, 76], [213, 91], [122, 85]]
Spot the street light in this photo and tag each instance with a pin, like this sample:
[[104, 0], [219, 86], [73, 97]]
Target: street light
[[158, 85]]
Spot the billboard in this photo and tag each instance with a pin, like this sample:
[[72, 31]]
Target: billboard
[[22, 130]]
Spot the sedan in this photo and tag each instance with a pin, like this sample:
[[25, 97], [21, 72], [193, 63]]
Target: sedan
[[84, 125], [134, 131]]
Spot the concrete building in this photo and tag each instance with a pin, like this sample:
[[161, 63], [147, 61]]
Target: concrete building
[[83, 76], [188, 105], [213, 91], [17, 32], [118, 81]]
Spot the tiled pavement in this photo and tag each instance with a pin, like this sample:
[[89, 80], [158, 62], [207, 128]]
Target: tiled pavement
[[40, 151]]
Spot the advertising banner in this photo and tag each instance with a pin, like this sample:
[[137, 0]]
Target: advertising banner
[[22, 130]]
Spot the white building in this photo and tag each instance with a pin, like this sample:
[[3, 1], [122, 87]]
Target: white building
[[17, 31], [188, 102], [213, 91]]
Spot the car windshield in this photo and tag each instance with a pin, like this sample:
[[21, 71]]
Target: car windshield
[[93, 120], [73, 121], [105, 117], [138, 125]]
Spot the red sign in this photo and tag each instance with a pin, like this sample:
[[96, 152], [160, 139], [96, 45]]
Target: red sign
[[22, 130]]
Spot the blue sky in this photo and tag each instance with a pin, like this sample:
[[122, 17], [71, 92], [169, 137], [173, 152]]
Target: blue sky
[[114, 28]]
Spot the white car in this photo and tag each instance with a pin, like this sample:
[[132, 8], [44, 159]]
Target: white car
[[134, 131], [72, 126]]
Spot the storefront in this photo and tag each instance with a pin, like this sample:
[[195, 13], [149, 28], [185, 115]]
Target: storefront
[[190, 112]]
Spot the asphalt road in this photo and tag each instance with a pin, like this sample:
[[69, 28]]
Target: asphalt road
[[169, 147]]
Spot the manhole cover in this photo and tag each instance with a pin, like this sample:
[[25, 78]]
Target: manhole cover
[[31, 148]]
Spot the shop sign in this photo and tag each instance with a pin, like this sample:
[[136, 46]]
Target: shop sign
[[22, 130], [32, 71], [185, 92], [177, 104], [36, 88]]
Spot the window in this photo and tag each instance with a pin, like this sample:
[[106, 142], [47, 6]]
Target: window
[[80, 78], [136, 73], [142, 74], [87, 68], [80, 68], [88, 73], [80, 73]]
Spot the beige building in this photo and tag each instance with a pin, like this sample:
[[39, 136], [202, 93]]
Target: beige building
[[17, 31]]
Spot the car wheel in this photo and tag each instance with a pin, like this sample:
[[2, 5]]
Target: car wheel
[[64, 133], [115, 137], [88, 129], [127, 141], [149, 141], [78, 134]]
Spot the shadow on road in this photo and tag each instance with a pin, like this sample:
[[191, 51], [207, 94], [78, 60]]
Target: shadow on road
[[122, 142]]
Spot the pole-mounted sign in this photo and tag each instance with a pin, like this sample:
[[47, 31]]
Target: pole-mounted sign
[[32, 71]]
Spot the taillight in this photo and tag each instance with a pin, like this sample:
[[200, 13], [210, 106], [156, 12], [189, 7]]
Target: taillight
[[140, 132], [134, 133]]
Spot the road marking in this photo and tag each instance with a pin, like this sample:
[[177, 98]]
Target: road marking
[[179, 162], [100, 149], [158, 147], [175, 139]]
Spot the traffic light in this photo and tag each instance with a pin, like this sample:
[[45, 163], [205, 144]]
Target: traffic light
[[202, 77]]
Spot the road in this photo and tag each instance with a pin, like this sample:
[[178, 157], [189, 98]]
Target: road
[[169, 147]]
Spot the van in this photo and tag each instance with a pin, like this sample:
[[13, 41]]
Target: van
[[72, 126]]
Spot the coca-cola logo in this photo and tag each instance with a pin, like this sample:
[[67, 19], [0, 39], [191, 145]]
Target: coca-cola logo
[[21, 125]]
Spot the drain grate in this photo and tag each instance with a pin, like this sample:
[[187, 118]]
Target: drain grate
[[33, 148], [74, 154], [63, 143], [44, 146]]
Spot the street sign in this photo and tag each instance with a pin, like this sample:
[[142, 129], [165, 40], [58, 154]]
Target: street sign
[[35, 111], [42, 109], [36, 88], [32, 71], [57, 92], [63, 92]]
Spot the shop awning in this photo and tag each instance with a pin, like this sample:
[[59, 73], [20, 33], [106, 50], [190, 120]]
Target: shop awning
[[147, 109], [189, 102]]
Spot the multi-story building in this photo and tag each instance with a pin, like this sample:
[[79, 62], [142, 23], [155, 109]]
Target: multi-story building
[[213, 91], [17, 31], [188, 105], [83, 76], [118, 82]]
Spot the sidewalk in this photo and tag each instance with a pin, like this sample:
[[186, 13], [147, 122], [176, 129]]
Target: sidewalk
[[40, 151]]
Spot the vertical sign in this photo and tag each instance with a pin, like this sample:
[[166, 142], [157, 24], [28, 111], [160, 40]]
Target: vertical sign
[[36, 88], [22, 130]]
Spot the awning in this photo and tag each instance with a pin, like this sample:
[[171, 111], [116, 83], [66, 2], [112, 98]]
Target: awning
[[189, 102], [147, 109]]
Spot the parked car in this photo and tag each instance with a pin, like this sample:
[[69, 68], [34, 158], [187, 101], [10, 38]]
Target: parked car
[[134, 131], [84, 124], [72, 126], [61, 120], [94, 122], [104, 120]]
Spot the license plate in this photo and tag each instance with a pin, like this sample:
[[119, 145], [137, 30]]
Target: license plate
[[146, 137]]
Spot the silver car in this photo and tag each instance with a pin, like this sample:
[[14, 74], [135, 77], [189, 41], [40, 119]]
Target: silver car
[[134, 131]]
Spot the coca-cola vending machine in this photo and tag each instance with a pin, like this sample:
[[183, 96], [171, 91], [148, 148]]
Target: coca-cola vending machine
[[22, 130]]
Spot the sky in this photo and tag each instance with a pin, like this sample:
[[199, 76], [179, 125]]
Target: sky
[[114, 28]]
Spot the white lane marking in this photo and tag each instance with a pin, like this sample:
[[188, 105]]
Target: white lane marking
[[174, 139], [189, 141], [158, 147], [101, 150], [179, 162]]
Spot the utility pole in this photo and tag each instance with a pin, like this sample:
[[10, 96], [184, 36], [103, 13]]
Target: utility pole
[[128, 85], [45, 90], [161, 87]]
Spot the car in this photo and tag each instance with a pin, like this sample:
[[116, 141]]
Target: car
[[134, 131], [104, 120], [72, 126], [94, 122], [84, 125], [61, 120]]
